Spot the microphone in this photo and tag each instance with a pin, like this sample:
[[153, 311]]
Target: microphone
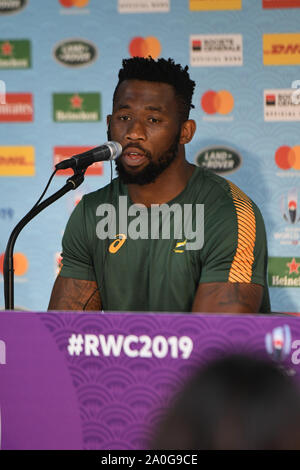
[[108, 151]]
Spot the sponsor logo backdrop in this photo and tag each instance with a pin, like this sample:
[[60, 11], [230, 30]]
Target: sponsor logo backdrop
[[59, 61]]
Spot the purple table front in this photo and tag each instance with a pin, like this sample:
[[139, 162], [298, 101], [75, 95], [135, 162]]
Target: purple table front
[[101, 381]]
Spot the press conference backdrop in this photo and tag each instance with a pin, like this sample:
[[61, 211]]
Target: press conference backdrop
[[58, 68]]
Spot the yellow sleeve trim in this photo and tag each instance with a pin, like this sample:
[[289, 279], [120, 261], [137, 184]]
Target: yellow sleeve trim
[[242, 264]]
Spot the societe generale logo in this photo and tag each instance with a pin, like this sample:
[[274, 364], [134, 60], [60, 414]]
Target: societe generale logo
[[145, 47], [281, 49], [288, 157], [221, 102]]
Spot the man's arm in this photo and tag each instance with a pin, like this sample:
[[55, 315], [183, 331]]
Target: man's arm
[[227, 297], [74, 294]]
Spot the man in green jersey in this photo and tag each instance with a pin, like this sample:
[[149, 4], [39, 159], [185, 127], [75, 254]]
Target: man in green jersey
[[151, 261]]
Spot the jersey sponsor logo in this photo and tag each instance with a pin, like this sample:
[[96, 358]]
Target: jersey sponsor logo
[[75, 52], [221, 160], [62, 153], [281, 3], [143, 6], [20, 262], [76, 107], [282, 105], [180, 247], [211, 50], [12, 6], [145, 47], [17, 108], [281, 49], [198, 5], [117, 243], [15, 54], [17, 161], [284, 272]]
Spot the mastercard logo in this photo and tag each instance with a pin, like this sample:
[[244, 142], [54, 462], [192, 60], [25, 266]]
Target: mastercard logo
[[288, 157], [74, 3], [221, 102], [20, 264], [145, 47]]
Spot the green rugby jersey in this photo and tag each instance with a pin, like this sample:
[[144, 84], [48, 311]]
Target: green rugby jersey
[[161, 274]]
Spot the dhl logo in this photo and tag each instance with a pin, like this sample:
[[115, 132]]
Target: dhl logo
[[281, 49]]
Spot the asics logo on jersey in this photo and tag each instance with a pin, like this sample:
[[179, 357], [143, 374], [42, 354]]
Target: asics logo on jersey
[[116, 244], [180, 246]]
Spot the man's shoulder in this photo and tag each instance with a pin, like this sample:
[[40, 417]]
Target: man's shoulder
[[212, 187], [220, 194], [102, 195]]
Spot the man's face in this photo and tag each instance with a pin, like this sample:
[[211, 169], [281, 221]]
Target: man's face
[[145, 120]]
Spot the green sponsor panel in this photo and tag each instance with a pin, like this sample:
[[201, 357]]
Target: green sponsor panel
[[15, 54], [76, 107], [284, 272]]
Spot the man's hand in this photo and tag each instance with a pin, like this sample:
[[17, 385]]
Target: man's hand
[[227, 297], [74, 294]]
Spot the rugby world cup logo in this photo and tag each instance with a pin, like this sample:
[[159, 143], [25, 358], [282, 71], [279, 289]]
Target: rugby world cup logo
[[289, 207], [278, 342]]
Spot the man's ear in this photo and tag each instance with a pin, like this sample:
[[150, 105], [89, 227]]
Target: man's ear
[[108, 120], [188, 129]]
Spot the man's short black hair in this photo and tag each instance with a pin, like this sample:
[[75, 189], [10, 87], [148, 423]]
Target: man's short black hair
[[162, 70]]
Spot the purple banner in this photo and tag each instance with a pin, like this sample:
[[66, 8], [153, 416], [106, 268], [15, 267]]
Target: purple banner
[[101, 381]]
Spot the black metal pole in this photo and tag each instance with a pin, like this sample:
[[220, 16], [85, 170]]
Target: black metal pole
[[8, 266]]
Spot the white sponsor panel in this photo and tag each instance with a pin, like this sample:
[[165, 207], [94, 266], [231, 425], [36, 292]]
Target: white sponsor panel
[[143, 6], [216, 50], [280, 105]]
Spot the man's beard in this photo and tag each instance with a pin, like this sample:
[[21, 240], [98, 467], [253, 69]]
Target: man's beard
[[150, 173]]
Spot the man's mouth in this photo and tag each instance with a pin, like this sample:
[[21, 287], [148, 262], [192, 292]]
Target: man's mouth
[[134, 157]]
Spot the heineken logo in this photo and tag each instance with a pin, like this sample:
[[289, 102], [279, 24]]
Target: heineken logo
[[11, 6], [15, 54], [75, 52], [284, 272], [76, 107], [219, 159]]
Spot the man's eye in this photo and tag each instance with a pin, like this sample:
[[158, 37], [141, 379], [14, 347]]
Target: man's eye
[[124, 118], [154, 120]]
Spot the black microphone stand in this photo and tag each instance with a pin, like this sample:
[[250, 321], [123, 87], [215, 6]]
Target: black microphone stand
[[8, 266]]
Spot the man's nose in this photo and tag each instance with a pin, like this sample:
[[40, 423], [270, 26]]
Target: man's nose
[[136, 130]]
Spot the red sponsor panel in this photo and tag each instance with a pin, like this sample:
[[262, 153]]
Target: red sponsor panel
[[61, 153], [18, 107], [281, 3]]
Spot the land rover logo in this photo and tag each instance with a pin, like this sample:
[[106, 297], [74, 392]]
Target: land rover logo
[[219, 159], [11, 6], [75, 52]]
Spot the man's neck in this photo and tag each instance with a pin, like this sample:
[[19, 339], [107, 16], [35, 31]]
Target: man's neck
[[166, 187]]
